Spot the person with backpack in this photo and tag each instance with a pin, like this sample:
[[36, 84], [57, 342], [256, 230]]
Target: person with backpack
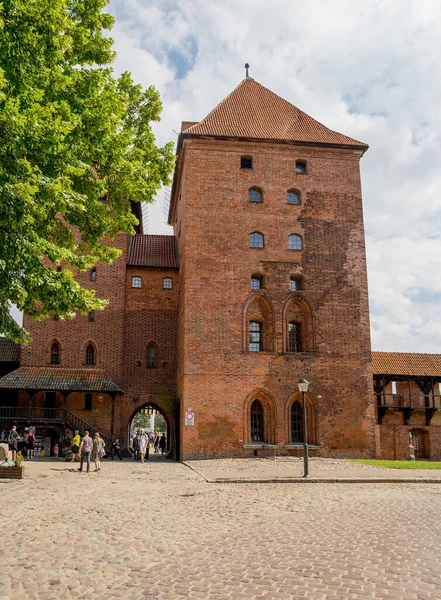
[[13, 441]]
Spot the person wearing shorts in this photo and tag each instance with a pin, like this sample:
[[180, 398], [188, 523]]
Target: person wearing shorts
[[76, 445]]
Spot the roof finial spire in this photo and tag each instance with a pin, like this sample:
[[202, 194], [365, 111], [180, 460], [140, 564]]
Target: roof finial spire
[[247, 66]]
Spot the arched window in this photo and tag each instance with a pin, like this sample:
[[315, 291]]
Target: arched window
[[296, 423], [255, 336], [293, 197], [93, 274], [256, 282], [256, 415], [294, 242], [255, 195], [151, 357], [256, 240], [295, 284], [55, 354], [294, 337], [136, 282], [246, 162], [301, 166], [90, 355], [167, 283]]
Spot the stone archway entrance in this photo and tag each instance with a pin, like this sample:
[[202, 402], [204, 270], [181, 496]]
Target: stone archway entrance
[[156, 423]]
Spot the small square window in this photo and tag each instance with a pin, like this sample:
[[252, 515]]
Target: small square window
[[300, 166], [295, 284], [136, 282], [167, 283], [256, 282], [293, 197], [246, 162]]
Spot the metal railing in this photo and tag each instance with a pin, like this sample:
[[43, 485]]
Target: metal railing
[[36, 414]]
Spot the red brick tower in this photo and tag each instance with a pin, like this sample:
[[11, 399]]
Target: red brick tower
[[267, 210]]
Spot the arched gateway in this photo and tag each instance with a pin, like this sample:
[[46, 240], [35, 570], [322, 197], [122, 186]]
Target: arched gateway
[[154, 419]]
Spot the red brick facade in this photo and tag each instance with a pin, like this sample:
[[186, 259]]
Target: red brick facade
[[198, 326], [218, 378]]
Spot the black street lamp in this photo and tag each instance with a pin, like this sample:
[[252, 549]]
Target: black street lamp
[[303, 387]]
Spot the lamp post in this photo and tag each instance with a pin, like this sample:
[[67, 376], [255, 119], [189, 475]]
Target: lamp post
[[303, 387]]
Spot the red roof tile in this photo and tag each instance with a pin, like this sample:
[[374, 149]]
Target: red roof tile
[[57, 379], [9, 351], [153, 251], [406, 363], [253, 111]]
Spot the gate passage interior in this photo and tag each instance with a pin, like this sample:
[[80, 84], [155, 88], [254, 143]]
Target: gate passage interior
[[153, 419]]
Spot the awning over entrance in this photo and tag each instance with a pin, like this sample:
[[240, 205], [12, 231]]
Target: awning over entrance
[[59, 379]]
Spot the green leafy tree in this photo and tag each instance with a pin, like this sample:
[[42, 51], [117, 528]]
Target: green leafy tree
[[76, 146]]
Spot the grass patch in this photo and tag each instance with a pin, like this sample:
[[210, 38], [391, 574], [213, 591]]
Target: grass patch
[[398, 464]]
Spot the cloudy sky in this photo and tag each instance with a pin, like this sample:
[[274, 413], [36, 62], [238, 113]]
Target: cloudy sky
[[368, 69]]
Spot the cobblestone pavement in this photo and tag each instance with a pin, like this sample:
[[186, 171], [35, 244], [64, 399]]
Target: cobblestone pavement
[[159, 532]]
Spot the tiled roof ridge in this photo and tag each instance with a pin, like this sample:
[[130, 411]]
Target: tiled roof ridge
[[406, 353], [247, 81]]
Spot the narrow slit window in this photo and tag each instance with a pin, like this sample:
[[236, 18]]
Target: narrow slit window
[[294, 337], [151, 357], [93, 274], [293, 197], [255, 336], [256, 240], [91, 316], [256, 416], [246, 162], [295, 242], [255, 195], [296, 423], [136, 282], [55, 354], [90, 355]]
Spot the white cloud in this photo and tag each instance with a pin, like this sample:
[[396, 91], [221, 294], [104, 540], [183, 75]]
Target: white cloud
[[368, 69]]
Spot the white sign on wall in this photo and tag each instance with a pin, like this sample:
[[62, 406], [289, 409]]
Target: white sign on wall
[[189, 418]]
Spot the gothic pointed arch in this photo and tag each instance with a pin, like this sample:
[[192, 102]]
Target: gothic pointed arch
[[294, 419], [259, 417], [55, 352], [258, 324], [298, 325]]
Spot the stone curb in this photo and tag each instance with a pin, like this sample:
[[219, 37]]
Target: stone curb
[[323, 480]]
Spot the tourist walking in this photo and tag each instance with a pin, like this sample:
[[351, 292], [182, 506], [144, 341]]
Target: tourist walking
[[97, 450], [156, 443], [85, 450], [76, 445], [135, 447], [30, 441], [143, 445], [162, 444], [13, 441], [115, 449]]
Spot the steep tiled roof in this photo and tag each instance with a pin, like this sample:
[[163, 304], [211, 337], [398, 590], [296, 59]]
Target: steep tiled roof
[[9, 351], [58, 378], [253, 111], [153, 251], [406, 363]]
